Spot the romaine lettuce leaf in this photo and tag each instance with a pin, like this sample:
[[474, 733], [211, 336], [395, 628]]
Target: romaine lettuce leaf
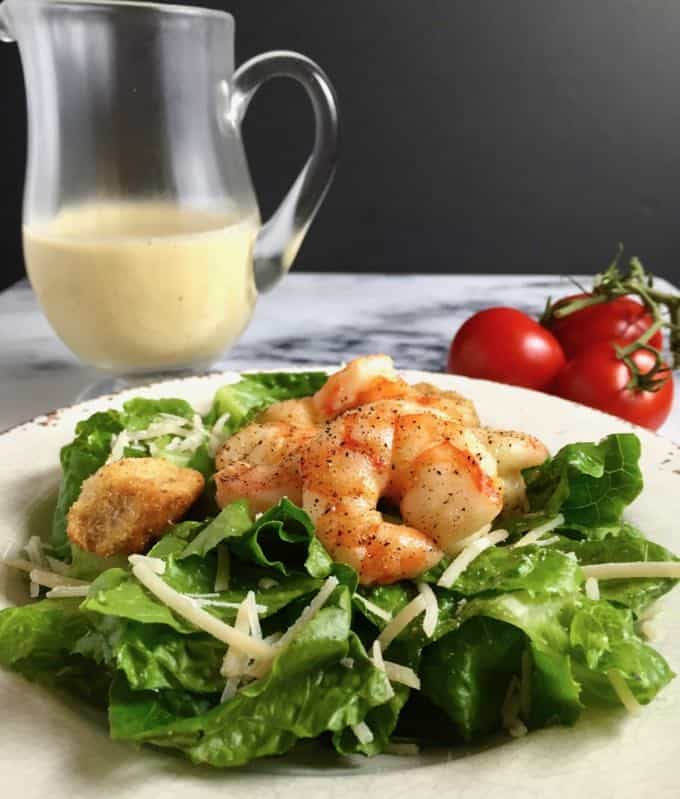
[[254, 392], [80, 459], [38, 642], [590, 484], [281, 539], [467, 674], [628, 545], [533, 569], [308, 691]]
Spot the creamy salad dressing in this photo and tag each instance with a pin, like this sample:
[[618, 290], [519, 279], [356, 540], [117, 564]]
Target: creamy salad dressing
[[137, 286]]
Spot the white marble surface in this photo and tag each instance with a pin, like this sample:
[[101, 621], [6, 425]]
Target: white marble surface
[[307, 319]]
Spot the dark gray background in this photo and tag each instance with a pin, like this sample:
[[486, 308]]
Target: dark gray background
[[478, 136]]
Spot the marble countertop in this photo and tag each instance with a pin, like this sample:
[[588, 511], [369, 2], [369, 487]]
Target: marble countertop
[[308, 319]]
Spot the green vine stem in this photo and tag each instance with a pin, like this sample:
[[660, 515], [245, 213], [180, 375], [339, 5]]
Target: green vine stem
[[663, 307]]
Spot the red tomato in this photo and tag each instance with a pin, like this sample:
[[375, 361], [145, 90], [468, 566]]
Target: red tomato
[[598, 378], [623, 319], [507, 346]]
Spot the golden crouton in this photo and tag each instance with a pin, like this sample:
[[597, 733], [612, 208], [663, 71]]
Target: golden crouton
[[126, 505]]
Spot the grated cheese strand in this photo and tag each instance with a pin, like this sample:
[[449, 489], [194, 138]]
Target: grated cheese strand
[[44, 577], [223, 568], [18, 563], [463, 543], [65, 591], [465, 558], [362, 732], [634, 569], [592, 588], [377, 655], [376, 610], [404, 749], [261, 668], [52, 580], [379, 663], [58, 566], [402, 674], [511, 710], [230, 689], [405, 616], [538, 532], [309, 612], [253, 609], [188, 609], [235, 662], [35, 554], [431, 609], [623, 692]]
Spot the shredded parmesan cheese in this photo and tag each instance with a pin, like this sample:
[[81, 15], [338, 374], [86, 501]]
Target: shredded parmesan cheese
[[463, 543], [405, 749], [465, 558], [379, 663], [188, 609], [538, 532], [547, 542], [223, 568], [592, 588], [52, 580], [641, 568], [253, 619], [47, 578], [58, 566], [376, 610], [156, 565], [235, 661], [431, 609], [64, 591], [623, 692], [512, 722], [377, 655], [19, 563], [35, 555], [348, 663], [405, 616], [266, 583], [261, 668], [309, 612], [218, 603], [402, 674], [363, 732]]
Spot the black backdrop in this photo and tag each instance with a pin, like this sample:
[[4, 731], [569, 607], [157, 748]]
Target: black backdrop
[[478, 136]]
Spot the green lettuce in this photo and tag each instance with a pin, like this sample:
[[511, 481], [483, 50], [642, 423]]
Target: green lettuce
[[467, 674], [256, 391], [590, 484], [80, 459], [39, 642], [627, 546], [308, 691]]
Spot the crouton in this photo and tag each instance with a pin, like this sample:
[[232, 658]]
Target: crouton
[[126, 505]]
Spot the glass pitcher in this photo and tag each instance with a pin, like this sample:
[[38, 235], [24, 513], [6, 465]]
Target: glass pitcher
[[142, 235]]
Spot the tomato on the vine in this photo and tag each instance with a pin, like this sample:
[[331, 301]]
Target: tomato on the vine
[[599, 378], [506, 345], [623, 319]]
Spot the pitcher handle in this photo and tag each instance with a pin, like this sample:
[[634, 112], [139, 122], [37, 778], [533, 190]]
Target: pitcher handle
[[5, 32], [280, 238]]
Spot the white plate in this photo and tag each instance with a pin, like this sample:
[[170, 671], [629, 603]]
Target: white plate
[[53, 748]]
